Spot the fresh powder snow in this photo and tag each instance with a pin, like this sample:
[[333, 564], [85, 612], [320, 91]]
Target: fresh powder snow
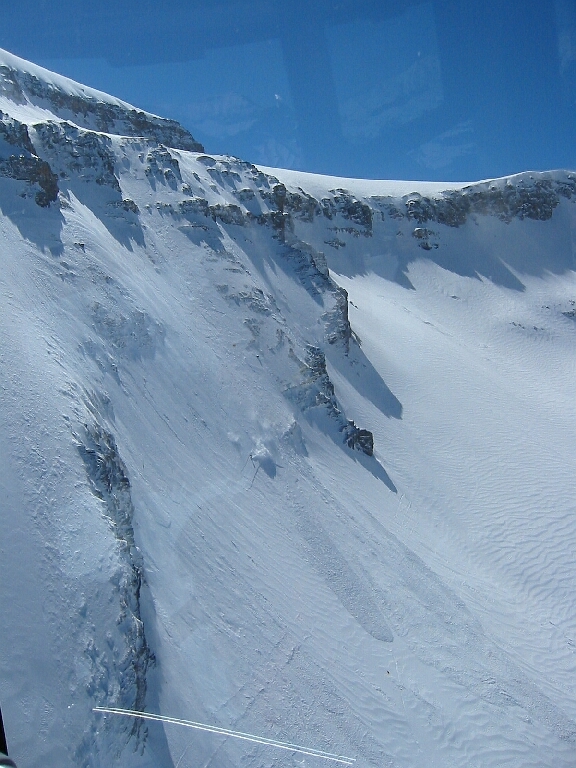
[[283, 454]]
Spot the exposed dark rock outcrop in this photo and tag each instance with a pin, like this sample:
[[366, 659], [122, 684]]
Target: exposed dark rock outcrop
[[194, 206], [23, 164], [534, 198], [15, 133], [338, 328], [127, 205], [308, 263], [34, 171], [76, 153], [162, 165], [199, 206], [423, 236], [89, 112], [522, 199], [109, 482], [360, 439], [299, 204], [316, 390], [348, 207]]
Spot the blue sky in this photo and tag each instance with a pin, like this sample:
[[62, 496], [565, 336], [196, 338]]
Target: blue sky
[[443, 90]]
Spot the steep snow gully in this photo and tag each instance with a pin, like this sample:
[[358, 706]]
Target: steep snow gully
[[285, 454]]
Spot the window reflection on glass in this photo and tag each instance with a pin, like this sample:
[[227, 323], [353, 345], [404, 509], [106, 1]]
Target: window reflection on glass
[[439, 90]]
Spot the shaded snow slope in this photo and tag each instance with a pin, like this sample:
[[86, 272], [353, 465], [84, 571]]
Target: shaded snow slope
[[281, 454]]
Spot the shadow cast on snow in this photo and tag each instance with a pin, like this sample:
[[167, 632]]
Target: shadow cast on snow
[[361, 374], [332, 428], [38, 225], [484, 247], [119, 216]]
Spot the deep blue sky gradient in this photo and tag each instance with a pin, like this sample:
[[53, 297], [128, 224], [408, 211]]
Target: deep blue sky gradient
[[440, 90]]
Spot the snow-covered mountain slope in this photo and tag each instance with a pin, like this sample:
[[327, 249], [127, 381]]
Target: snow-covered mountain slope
[[284, 454]]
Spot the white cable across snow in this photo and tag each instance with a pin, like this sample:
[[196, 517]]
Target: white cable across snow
[[225, 732]]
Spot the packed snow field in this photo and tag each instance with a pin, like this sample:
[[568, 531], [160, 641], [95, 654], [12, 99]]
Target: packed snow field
[[284, 454]]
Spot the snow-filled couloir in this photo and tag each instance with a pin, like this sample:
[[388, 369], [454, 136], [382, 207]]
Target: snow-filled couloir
[[285, 454]]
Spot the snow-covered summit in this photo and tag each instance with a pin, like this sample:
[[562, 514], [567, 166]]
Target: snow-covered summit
[[285, 454]]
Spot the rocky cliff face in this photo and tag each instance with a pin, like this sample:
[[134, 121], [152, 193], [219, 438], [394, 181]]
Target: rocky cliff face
[[19, 161], [532, 198], [86, 110], [131, 655]]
